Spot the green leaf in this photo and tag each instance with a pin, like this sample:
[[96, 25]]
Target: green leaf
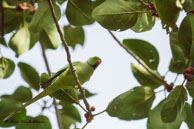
[[87, 93], [190, 88], [22, 94], [30, 75], [157, 123], [74, 36], [177, 66], [61, 1], [177, 53], [7, 67], [39, 122], [43, 17], [34, 37], [6, 107], [185, 36], [70, 115], [168, 10], [173, 105], [20, 41], [178, 63], [71, 112], [64, 95], [2, 41], [133, 104], [149, 126], [145, 78], [12, 20], [145, 22], [50, 37], [188, 5], [192, 107], [117, 14], [78, 12], [189, 117], [44, 77], [144, 50]]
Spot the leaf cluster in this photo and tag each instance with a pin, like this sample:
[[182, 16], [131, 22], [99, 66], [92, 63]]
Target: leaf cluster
[[31, 23]]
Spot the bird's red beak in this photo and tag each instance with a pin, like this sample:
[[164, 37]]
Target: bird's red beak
[[98, 62]]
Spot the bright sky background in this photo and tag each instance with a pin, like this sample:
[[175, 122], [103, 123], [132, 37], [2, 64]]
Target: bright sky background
[[111, 78]]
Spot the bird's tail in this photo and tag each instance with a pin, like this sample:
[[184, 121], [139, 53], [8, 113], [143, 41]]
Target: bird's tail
[[46, 92]]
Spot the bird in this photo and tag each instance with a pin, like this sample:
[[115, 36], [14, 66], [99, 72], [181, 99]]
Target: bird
[[64, 79]]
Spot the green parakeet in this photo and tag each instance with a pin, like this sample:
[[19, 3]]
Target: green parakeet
[[64, 79]]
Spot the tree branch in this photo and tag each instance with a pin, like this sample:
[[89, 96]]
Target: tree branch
[[69, 58], [54, 100], [2, 17], [45, 60], [59, 120], [138, 60]]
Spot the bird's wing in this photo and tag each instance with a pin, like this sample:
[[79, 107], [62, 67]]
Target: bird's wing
[[53, 77]]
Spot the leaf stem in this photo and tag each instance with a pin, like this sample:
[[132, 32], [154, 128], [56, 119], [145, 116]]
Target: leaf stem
[[183, 82], [164, 93], [99, 113], [54, 100], [166, 73], [85, 125], [69, 58], [175, 79], [160, 91], [138, 60]]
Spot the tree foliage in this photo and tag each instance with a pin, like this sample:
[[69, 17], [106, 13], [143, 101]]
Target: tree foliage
[[30, 22]]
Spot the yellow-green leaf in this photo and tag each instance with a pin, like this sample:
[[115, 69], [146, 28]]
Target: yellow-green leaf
[[7, 67], [133, 104], [173, 105]]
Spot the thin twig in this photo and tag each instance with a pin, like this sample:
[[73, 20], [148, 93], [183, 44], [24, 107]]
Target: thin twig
[[48, 108], [166, 73], [164, 93], [138, 60], [175, 79], [45, 60], [183, 82], [99, 113], [54, 100], [69, 58], [160, 91], [59, 120], [2, 17], [85, 125]]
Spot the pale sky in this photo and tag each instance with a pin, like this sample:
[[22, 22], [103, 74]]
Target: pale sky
[[110, 79]]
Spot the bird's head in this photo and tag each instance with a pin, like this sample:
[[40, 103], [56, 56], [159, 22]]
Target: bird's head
[[94, 61]]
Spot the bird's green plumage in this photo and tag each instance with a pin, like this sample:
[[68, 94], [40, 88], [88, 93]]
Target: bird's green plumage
[[63, 79], [66, 79]]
